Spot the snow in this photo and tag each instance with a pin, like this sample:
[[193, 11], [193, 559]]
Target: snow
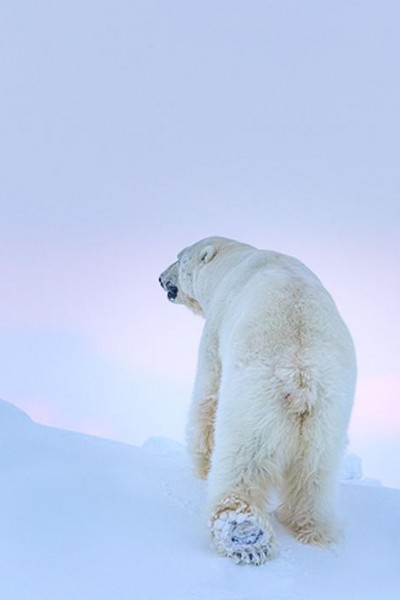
[[82, 518]]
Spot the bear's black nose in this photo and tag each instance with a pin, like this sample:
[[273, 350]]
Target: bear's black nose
[[172, 291]]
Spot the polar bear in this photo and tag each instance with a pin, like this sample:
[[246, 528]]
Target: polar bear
[[273, 393]]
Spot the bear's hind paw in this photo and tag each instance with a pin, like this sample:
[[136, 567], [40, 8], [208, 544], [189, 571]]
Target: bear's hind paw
[[240, 536]]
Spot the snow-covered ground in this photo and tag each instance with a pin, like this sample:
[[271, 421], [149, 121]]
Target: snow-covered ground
[[82, 518]]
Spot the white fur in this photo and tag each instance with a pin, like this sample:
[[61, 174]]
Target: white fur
[[274, 385]]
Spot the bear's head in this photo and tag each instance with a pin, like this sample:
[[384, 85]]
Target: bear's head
[[191, 279], [179, 279]]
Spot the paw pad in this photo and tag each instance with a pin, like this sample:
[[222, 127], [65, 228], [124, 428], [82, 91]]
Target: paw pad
[[241, 536]]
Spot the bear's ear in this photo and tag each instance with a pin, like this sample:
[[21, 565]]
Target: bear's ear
[[208, 254]]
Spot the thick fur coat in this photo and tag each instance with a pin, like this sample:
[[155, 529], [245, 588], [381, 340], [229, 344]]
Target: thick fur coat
[[273, 392]]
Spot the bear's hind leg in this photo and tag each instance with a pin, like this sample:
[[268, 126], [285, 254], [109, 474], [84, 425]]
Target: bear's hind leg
[[308, 492], [245, 467]]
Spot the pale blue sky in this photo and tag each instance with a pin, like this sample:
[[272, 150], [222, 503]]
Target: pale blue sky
[[131, 129]]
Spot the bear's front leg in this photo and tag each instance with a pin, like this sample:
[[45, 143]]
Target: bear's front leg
[[200, 434], [200, 430]]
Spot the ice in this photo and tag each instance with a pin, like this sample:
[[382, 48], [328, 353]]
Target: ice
[[351, 467]]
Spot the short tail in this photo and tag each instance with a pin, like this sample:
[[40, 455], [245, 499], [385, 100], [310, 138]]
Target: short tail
[[299, 389]]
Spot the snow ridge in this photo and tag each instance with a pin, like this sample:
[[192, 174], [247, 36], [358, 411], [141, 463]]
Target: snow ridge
[[83, 518]]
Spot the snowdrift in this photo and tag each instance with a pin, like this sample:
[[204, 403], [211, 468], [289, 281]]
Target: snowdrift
[[82, 518]]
